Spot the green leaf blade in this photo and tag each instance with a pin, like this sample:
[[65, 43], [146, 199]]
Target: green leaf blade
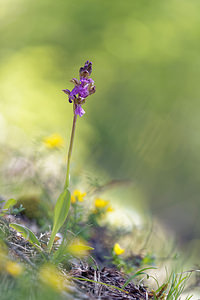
[[140, 272], [9, 203], [26, 233], [60, 214]]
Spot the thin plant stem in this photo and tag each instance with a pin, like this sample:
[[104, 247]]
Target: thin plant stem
[[70, 151], [100, 282]]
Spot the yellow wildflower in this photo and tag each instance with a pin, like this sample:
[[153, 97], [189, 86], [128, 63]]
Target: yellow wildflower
[[54, 141], [79, 248], [13, 268], [77, 196], [52, 277], [100, 203], [110, 209], [118, 250], [73, 199]]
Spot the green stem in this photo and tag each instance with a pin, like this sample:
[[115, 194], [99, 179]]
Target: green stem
[[75, 215], [70, 151]]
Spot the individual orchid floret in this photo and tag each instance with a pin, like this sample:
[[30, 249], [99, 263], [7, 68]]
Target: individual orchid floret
[[82, 89], [79, 111]]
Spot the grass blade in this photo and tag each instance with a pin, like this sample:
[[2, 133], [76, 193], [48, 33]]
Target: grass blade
[[140, 272]]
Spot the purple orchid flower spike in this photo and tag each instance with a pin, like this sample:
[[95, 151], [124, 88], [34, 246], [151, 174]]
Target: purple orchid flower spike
[[82, 89]]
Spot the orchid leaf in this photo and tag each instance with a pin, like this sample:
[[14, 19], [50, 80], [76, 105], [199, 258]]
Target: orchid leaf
[[60, 214], [26, 233]]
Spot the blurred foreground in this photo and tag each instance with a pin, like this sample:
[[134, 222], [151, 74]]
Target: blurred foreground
[[143, 123]]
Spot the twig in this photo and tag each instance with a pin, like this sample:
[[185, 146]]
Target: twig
[[19, 253]]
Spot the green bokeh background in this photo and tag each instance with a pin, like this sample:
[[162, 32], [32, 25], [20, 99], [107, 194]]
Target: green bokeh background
[[143, 122]]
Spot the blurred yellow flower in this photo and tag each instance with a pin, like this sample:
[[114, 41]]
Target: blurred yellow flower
[[79, 248], [13, 268], [110, 209], [52, 277], [73, 199], [100, 203], [117, 249], [54, 141], [77, 196]]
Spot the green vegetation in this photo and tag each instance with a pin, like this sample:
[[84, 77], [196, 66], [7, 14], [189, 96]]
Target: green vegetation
[[134, 186]]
